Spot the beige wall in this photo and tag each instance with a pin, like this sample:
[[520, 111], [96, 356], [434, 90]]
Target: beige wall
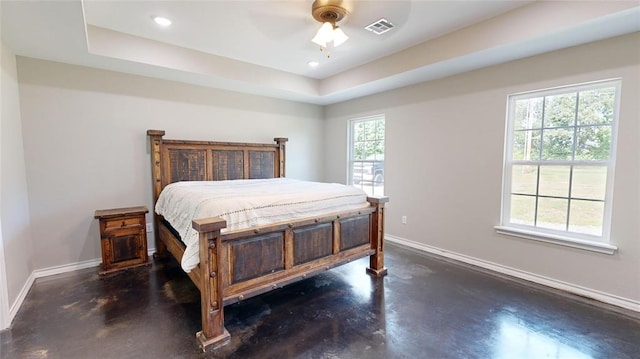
[[14, 210], [86, 146], [444, 163]]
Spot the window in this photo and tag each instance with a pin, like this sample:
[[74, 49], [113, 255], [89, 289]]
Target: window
[[559, 162], [366, 154]]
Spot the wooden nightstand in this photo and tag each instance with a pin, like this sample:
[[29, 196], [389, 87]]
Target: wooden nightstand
[[123, 238]]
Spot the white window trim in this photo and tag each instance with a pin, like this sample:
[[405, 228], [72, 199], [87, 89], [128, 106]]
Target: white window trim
[[599, 247], [587, 242]]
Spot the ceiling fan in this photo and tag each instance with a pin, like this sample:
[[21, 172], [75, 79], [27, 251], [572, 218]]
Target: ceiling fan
[[337, 21], [329, 13]]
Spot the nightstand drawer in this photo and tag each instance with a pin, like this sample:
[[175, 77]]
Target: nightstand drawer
[[123, 222]]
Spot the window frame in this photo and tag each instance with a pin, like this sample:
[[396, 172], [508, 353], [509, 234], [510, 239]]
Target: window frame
[[350, 146], [595, 243]]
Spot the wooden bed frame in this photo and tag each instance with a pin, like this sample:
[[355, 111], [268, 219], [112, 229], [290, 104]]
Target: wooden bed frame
[[239, 264]]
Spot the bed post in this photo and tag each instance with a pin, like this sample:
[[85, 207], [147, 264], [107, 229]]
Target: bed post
[[376, 260], [156, 178], [211, 298], [281, 141]]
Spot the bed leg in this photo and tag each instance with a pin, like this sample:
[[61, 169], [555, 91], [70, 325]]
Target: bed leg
[[161, 248], [213, 332], [376, 260]]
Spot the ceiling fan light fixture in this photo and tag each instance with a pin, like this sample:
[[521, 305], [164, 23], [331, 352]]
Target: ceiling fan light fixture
[[329, 12], [324, 35], [339, 37]]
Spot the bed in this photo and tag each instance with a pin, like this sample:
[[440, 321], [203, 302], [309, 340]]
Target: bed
[[237, 264]]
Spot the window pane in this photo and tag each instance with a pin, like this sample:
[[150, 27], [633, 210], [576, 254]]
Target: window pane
[[378, 188], [380, 129], [524, 179], [359, 151], [554, 181], [560, 110], [377, 173], [369, 131], [528, 114], [557, 144], [594, 143], [377, 151], [586, 217], [358, 131], [523, 209], [357, 169], [596, 106], [374, 130], [589, 182], [552, 213], [526, 145]]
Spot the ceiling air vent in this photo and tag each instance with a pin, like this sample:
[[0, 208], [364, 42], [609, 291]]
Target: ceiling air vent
[[380, 27]]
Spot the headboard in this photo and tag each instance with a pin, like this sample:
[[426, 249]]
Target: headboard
[[180, 160]]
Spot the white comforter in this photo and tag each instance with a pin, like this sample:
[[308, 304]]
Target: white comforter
[[248, 203]]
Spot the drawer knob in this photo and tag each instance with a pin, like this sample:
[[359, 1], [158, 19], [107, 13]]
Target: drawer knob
[[123, 224]]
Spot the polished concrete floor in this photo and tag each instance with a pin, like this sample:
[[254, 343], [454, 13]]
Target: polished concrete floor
[[426, 307]]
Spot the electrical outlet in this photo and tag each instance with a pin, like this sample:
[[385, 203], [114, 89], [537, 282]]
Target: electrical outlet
[[404, 219], [149, 227]]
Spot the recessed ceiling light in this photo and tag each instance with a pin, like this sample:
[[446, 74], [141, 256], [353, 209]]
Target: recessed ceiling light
[[162, 21], [313, 63]]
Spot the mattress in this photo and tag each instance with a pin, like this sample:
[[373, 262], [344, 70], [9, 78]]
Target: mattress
[[249, 203]]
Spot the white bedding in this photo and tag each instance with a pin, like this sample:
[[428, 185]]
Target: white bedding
[[248, 203]]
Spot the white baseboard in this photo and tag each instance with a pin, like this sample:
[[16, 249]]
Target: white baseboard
[[65, 268], [517, 273], [45, 272], [13, 309]]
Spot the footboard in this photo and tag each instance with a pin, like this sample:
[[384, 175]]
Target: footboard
[[240, 264]]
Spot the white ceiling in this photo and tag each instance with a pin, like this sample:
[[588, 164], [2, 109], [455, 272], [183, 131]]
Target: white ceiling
[[263, 47], [277, 34]]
